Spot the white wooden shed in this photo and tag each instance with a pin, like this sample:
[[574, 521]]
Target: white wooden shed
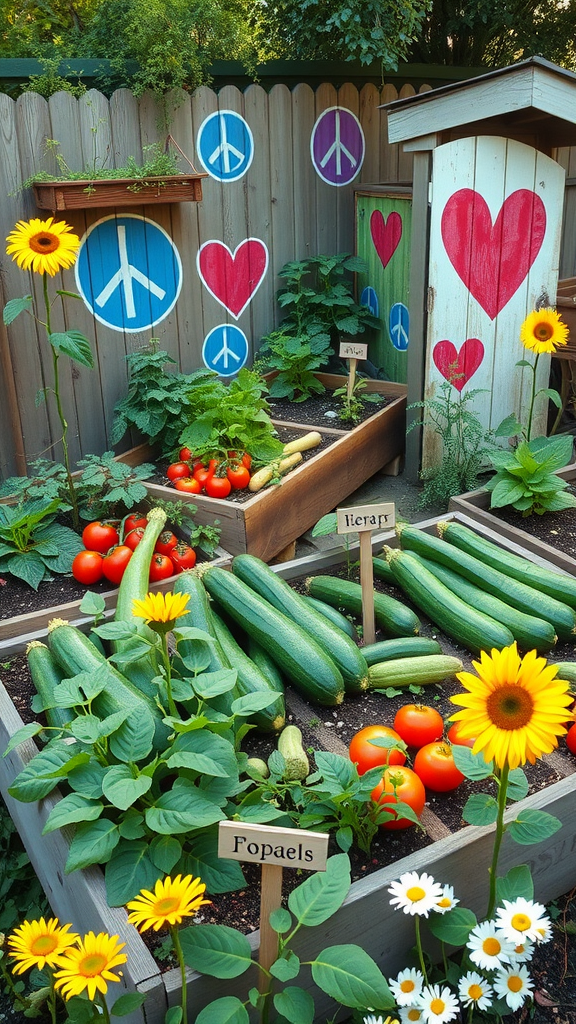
[[486, 223]]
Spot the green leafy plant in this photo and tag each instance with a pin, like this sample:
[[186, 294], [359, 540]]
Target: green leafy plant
[[205, 536], [21, 894], [32, 545], [295, 358], [525, 476], [329, 524], [352, 402], [159, 162]]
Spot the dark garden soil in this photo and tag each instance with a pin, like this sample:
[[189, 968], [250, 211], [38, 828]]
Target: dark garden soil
[[558, 529]]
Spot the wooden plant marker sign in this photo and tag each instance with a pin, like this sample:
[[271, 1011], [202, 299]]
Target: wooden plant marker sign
[[274, 849], [352, 351], [363, 519]]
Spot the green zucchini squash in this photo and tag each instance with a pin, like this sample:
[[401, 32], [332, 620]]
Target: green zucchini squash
[[392, 616], [199, 615], [519, 595], [47, 674], [267, 666], [566, 670], [298, 656], [338, 646], [295, 757], [382, 570], [465, 624], [335, 617], [421, 671], [251, 680], [400, 647]]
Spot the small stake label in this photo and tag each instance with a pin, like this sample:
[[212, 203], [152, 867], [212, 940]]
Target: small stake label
[[283, 847], [366, 517], [353, 350]]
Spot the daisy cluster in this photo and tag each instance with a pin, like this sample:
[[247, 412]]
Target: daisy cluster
[[496, 954]]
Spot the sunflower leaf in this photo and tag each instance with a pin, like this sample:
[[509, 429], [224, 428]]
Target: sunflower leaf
[[533, 826], [14, 307]]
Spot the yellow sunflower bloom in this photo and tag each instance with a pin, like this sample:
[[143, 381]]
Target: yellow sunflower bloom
[[39, 944], [161, 608], [171, 900], [43, 245], [515, 706], [543, 331], [89, 967]]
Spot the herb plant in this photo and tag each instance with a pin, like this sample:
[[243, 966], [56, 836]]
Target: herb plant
[[525, 476], [352, 402], [296, 359], [159, 162], [205, 536], [32, 545]]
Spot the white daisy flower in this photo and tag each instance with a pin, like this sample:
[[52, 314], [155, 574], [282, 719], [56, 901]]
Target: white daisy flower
[[438, 1005], [447, 901], [415, 894], [520, 919], [371, 1019], [407, 986], [410, 1014], [489, 948], [514, 985], [544, 931], [523, 952], [474, 990]]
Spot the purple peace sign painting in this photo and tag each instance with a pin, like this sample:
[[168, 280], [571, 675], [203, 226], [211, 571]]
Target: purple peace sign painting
[[337, 146]]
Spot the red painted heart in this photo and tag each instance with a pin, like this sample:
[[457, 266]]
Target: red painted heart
[[386, 234], [493, 259], [233, 278], [458, 367]]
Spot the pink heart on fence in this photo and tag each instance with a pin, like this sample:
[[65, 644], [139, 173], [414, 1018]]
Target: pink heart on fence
[[458, 367], [233, 278], [493, 259], [386, 234]]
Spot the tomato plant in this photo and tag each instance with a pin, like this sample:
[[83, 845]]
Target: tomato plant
[[455, 737], [185, 455], [434, 763], [166, 541], [177, 470], [238, 476], [161, 567], [217, 487], [571, 739], [100, 537], [134, 521], [133, 538], [189, 484], [202, 474], [87, 567], [400, 784], [183, 557], [115, 562], [418, 724], [366, 755]]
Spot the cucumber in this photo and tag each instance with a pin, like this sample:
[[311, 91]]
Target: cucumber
[[46, 675], [530, 631], [264, 662], [566, 670], [290, 746], [465, 624], [338, 646], [402, 647], [391, 615], [512, 592], [403, 672], [251, 680], [557, 585], [297, 655], [200, 616], [382, 570], [333, 615]]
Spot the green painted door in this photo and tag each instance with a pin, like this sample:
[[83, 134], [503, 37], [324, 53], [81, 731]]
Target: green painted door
[[383, 229]]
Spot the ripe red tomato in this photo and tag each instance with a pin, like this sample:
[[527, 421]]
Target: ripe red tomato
[[246, 460], [100, 537], [133, 538], [177, 470], [238, 476], [134, 521], [185, 455], [87, 566], [400, 784], [217, 487], [202, 474], [418, 724], [115, 562], [183, 557], [434, 763], [455, 737], [188, 484], [166, 541], [366, 755], [571, 739], [161, 568]]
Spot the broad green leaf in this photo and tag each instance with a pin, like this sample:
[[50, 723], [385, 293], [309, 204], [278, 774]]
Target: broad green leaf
[[165, 852], [132, 824], [212, 684], [517, 785], [480, 809], [216, 949], [203, 862], [92, 604], [71, 809], [133, 741], [249, 703], [87, 779], [127, 1003], [349, 975], [173, 1015], [335, 769], [472, 766], [23, 734], [295, 1005], [286, 967], [75, 345], [533, 826], [92, 844], [453, 927], [182, 809], [86, 729], [122, 789], [117, 630], [281, 920], [516, 882], [14, 307], [320, 895], [204, 752], [227, 1010], [129, 870], [37, 779]]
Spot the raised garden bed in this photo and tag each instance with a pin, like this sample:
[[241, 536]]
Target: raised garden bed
[[366, 916], [268, 521], [100, 192]]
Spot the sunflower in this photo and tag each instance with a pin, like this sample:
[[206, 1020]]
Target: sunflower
[[39, 944], [89, 966], [543, 331], [43, 245], [161, 609], [171, 900], [515, 706]]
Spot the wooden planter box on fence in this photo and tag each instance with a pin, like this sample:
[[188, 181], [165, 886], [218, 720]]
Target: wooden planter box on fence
[[476, 505], [366, 916], [80, 195], [271, 519]]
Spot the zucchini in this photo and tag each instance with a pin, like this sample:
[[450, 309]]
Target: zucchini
[[251, 680], [338, 646], [47, 674], [290, 746], [465, 624], [511, 591], [333, 615], [530, 631], [264, 662], [263, 476], [557, 585], [403, 672], [401, 647], [297, 655], [200, 616], [391, 615], [382, 570], [304, 443], [566, 670]]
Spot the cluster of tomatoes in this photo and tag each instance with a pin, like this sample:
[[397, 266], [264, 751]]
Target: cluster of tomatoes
[[217, 479], [109, 546], [422, 729]]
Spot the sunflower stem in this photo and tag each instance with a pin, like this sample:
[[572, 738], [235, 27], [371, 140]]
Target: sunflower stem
[[532, 397], [62, 418], [502, 794], [178, 950], [105, 1011], [166, 659], [419, 948], [52, 999]]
